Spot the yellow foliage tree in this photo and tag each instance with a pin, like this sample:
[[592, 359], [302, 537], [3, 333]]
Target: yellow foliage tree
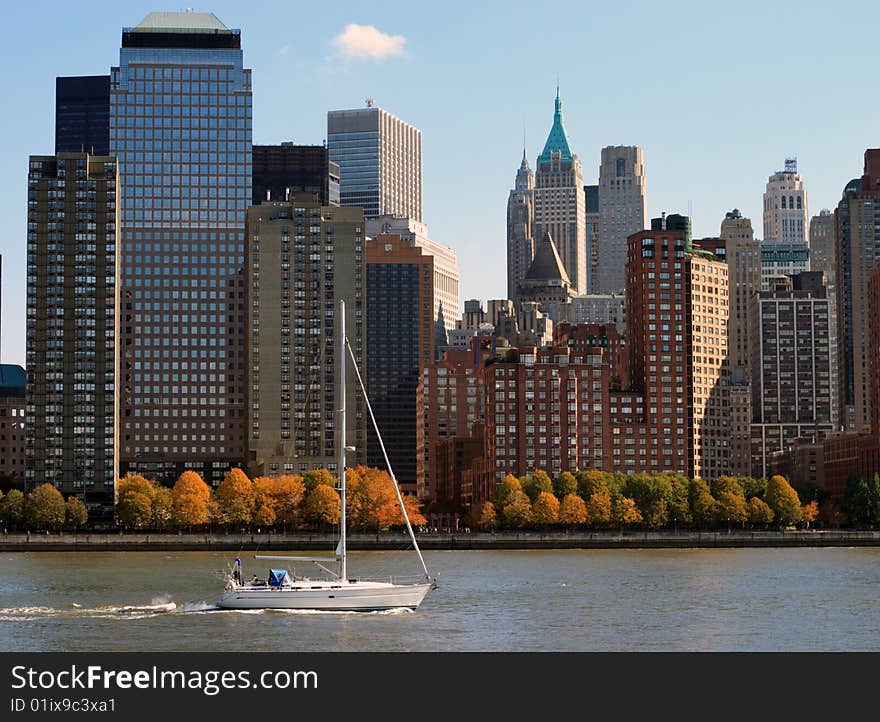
[[545, 509], [624, 512], [314, 477], [783, 500], [191, 501], [759, 513], [75, 513], [730, 508], [573, 510], [599, 507], [235, 498], [518, 511], [44, 508], [322, 506], [810, 512], [484, 516], [283, 494]]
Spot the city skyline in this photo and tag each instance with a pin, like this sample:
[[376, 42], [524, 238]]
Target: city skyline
[[697, 159]]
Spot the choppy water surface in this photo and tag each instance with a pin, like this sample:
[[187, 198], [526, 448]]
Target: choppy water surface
[[596, 600]]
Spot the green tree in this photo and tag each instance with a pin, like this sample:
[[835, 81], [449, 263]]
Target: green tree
[[759, 514], [162, 508], [861, 501], [726, 483], [573, 510], [75, 513], [783, 500], [545, 509], [517, 513], [565, 484], [702, 503], [44, 508], [651, 493], [590, 481], [752, 486], [537, 484], [12, 509], [730, 508], [679, 507], [134, 511], [235, 498], [314, 477]]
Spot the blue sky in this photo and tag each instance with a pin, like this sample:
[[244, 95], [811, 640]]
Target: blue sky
[[717, 95]]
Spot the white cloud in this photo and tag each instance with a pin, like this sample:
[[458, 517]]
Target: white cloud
[[365, 42], [283, 51]]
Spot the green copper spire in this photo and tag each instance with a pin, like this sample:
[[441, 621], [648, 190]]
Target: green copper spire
[[557, 141]]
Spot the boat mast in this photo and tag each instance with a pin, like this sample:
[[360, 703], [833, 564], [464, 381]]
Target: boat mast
[[340, 435]]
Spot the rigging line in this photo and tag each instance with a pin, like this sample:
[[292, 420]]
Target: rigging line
[[387, 462]]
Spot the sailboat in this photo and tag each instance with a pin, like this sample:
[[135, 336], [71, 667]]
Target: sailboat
[[335, 590]]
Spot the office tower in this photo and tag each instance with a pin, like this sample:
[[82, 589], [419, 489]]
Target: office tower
[[792, 382], [527, 430], [380, 161], [622, 212], [12, 421], [450, 401], [560, 206], [446, 303], [785, 206], [281, 171], [520, 227], [400, 339], [303, 258], [592, 221], [546, 281], [180, 125], [73, 319], [742, 253], [857, 235], [781, 258], [822, 241], [676, 398], [82, 114], [596, 308]]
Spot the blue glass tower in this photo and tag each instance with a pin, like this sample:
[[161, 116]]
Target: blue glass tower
[[181, 128]]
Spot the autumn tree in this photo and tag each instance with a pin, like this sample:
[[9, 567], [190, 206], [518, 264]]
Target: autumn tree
[[651, 494], [726, 483], [565, 484], [314, 477], [810, 512], [141, 503], [730, 508], [679, 507], [752, 486], [759, 514], [162, 508], [134, 510], [545, 509], [624, 512], [322, 506], [517, 512], [44, 508], [589, 482], [599, 506], [278, 497], [505, 490], [573, 510], [702, 503], [235, 498], [75, 513], [190, 501], [483, 516], [12, 508], [783, 500]]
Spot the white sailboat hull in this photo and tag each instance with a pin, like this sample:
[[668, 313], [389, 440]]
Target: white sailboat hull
[[359, 596]]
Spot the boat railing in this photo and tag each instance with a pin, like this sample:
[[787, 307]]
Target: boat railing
[[396, 579]]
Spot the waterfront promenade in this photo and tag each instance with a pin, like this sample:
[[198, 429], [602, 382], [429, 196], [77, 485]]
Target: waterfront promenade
[[457, 540]]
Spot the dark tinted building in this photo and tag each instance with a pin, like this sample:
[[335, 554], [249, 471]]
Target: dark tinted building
[[280, 171], [82, 114]]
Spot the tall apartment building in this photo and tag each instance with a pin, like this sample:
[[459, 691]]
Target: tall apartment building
[[282, 171], [677, 312], [73, 323], [594, 249], [857, 234], [792, 381], [785, 206], [742, 253], [380, 161], [303, 258], [599, 308], [520, 226], [181, 127], [622, 212], [400, 336], [822, 257], [446, 298], [782, 258], [450, 402], [82, 114], [560, 205], [13, 382]]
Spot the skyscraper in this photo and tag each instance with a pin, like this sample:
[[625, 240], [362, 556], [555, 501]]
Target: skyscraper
[[560, 206], [857, 236], [380, 161], [181, 126], [520, 227], [822, 241], [591, 197], [82, 114], [73, 327], [303, 258], [283, 170], [785, 206], [622, 212]]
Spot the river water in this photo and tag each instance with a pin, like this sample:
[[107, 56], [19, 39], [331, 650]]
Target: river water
[[592, 600]]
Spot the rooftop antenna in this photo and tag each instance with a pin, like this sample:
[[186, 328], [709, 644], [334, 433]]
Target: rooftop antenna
[[370, 102]]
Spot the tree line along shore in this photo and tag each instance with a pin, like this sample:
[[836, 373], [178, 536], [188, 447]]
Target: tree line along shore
[[574, 502]]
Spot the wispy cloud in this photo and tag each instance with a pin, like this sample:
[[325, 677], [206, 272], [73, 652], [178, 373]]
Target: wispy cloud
[[365, 42], [283, 51]]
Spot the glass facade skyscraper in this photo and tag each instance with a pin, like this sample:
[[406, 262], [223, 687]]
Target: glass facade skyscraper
[[181, 127], [82, 114]]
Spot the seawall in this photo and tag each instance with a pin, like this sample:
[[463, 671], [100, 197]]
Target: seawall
[[392, 541]]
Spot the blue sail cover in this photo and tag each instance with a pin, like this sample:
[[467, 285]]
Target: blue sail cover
[[277, 577]]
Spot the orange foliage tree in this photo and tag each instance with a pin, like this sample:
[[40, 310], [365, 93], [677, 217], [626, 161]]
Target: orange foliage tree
[[573, 510], [278, 500], [371, 500], [545, 509], [235, 498], [191, 501], [322, 506]]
